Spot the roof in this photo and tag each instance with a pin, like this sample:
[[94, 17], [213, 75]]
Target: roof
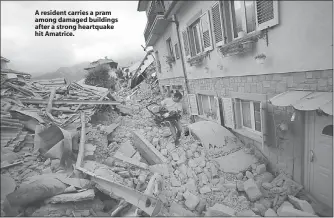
[[4, 59], [142, 5], [305, 100], [51, 82], [100, 62], [6, 71]]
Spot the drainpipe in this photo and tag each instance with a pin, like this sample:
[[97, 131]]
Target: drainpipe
[[174, 19]]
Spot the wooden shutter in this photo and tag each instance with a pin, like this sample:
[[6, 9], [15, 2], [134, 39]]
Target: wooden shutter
[[216, 102], [266, 14], [186, 43], [237, 113], [193, 104], [228, 113], [206, 32], [268, 126], [217, 24]]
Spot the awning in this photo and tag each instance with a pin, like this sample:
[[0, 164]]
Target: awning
[[305, 100]]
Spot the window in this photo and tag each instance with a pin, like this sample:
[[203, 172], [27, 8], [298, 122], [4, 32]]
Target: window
[[207, 106], [195, 42], [197, 37], [177, 55], [231, 17], [242, 17], [169, 47], [251, 115]]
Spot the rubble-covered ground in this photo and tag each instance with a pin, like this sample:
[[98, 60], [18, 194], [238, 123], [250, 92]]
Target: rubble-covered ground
[[195, 184]]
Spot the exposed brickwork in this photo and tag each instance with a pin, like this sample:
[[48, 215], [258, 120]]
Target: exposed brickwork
[[280, 157]]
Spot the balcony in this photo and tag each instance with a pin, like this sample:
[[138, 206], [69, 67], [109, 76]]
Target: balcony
[[154, 31]]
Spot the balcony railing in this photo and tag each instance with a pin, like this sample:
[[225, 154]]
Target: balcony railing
[[155, 8]]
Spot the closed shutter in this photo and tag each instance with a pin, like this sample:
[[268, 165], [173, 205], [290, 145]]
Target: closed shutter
[[266, 14], [186, 43], [217, 24], [193, 104], [228, 113], [216, 102], [206, 32]]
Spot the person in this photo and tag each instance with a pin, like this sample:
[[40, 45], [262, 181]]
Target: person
[[174, 105]]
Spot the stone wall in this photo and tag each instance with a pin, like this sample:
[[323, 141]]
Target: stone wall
[[287, 155]]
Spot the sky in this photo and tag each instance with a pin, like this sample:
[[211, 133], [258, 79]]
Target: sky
[[42, 54]]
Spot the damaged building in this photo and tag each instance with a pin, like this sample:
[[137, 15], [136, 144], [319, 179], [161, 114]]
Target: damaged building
[[262, 69]]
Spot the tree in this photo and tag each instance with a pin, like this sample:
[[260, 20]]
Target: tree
[[99, 76]]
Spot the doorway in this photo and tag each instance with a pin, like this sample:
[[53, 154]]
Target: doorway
[[319, 157]]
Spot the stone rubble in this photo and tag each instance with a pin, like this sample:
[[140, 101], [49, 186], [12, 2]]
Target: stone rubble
[[194, 183]]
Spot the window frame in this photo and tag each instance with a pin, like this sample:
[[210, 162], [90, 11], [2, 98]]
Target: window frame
[[170, 47], [177, 53], [200, 99], [252, 115], [227, 20], [232, 15], [192, 39]]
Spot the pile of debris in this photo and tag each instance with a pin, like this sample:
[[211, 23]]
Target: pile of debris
[[115, 161]]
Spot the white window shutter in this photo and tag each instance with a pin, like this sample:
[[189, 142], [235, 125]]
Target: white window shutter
[[228, 112], [186, 43], [218, 118], [266, 14], [193, 104], [217, 23], [263, 107], [206, 32]]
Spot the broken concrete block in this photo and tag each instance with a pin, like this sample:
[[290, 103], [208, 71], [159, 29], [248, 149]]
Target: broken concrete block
[[264, 177], [267, 185], [284, 204], [175, 156], [191, 200], [72, 197], [170, 146], [239, 176], [175, 182], [205, 189], [240, 186], [261, 169], [230, 185], [252, 191], [164, 152], [201, 206], [301, 204], [220, 210], [245, 213], [155, 141], [191, 185], [178, 210], [270, 212], [189, 153], [249, 175], [261, 208], [192, 163], [290, 211]]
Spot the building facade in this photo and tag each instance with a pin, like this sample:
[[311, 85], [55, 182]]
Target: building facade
[[263, 69]]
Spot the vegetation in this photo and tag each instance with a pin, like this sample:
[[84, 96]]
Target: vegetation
[[99, 76]]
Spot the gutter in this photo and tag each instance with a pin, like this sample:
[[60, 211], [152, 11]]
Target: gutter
[[172, 5], [181, 53]]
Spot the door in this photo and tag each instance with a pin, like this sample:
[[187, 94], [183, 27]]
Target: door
[[321, 159]]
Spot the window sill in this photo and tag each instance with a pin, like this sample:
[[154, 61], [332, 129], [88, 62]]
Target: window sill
[[240, 45], [252, 135], [197, 59]]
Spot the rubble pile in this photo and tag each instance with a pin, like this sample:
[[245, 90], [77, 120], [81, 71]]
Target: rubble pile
[[115, 161]]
